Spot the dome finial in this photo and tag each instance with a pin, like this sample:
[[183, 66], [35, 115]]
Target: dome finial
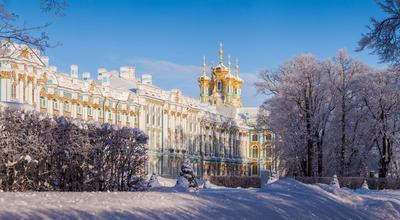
[[220, 52], [204, 66], [229, 64], [237, 68]]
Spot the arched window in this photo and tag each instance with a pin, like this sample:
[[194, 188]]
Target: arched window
[[55, 104], [24, 94], [255, 152], [79, 109], [89, 111], [220, 86], [14, 91], [67, 106], [100, 113], [254, 137], [43, 103], [255, 169]]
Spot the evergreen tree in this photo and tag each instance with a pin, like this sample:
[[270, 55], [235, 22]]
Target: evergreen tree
[[187, 173]]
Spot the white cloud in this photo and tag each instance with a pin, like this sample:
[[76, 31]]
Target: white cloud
[[250, 96], [161, 66]]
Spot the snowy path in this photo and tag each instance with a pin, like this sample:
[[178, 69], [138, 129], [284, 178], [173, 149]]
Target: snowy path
[[284, 199]]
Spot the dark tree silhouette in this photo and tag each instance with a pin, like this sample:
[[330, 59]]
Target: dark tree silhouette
[[383, 37], [12, 29]]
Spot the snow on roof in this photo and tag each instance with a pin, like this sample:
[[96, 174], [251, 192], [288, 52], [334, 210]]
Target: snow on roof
[[117, 82], [220, 65], [16, 105]]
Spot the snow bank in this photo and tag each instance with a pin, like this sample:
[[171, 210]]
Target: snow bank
[[283, 199]]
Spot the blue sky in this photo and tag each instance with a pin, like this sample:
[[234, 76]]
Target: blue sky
[[169, 38]]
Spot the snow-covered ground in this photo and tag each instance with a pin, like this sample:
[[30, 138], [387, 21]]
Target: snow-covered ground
[[283, 199]]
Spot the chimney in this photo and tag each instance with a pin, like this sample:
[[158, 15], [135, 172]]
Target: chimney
[[52, 69], [127, 72], [100, 72], [74, 71], [86, 76], [147, 79], [105, 79]]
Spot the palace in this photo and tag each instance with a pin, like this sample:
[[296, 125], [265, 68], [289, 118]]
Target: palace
[[215, 132]]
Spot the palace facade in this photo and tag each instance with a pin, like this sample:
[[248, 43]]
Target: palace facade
[[215, 132]]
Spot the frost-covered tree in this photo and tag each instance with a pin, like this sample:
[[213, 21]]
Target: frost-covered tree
[[337, 116], [382, 100], [299, 111], [346, 125], [39, 152]]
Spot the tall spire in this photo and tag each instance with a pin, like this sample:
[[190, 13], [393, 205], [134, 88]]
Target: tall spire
[[220, 52], [237, 68], [229, 64], [204, 66]]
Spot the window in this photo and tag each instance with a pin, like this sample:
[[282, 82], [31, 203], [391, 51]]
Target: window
[[79, 109], [268, 137], [43, 103], [13, 91], [67, 107], [220, 86], [24, 94], [119, 116], [55, 104], [33, 94], [254, 137], [255, 152], [255, 169], [100, 113], [89, 111]]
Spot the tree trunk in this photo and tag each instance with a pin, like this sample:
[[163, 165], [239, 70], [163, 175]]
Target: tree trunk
[[343, 139], [385, 157]]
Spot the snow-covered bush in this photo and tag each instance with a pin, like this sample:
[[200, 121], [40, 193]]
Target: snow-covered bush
[[40, 152], [153, 181], [365, 185], [335, 182], [186, 178]]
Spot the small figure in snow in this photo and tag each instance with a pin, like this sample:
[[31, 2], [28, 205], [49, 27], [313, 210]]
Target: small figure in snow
[[365, 185], [153, 181], [335, 182]]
